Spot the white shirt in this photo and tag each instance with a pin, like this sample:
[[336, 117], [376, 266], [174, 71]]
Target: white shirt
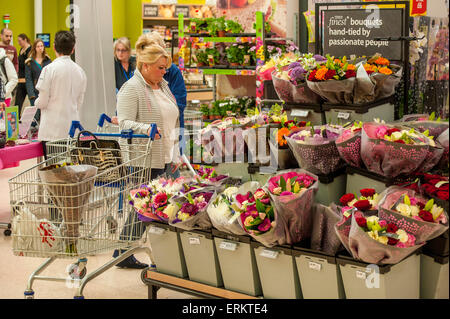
[[61, 87], [10, 73], [169, 114]]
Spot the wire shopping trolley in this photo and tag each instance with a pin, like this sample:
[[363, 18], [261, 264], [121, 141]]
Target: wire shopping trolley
[[62, 210], [105, 125]]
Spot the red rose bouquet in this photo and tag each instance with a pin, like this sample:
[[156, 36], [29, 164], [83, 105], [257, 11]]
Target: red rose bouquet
[[373, 239], [418, 215], [368, 201]]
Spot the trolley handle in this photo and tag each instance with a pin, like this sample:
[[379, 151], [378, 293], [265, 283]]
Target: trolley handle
[[76, 125], [102, 119], [127, 134]]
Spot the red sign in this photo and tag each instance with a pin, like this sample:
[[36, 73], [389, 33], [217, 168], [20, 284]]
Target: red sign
[[418, 7]]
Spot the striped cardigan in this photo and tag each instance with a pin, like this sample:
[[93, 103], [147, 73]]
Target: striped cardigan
[[136, 110]]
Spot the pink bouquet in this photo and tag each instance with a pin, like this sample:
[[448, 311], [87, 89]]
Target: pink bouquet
[[375, 240], [425, 122], [292, 195], [420, 216], [349, 145], [190, 211], [394, 150], [315, 148]]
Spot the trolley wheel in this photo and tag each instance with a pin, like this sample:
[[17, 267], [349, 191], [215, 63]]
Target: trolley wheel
[[7, 232], [78, 297], [29, 294], [74, 273]]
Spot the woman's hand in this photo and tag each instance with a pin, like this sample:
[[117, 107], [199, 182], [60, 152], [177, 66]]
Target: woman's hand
[[157, 135], [115, 120]]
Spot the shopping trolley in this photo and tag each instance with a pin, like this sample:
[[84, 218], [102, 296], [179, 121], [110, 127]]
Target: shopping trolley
[[81, 210]]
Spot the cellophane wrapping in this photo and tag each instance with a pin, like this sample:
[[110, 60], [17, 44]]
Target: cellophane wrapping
[[362, 247], [387, 158], [295, 210], [323, 237], [422, 230], [291, 93], [349, 148]]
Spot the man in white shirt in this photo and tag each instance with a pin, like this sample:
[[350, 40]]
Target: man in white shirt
[[8, 75], [61, 87]]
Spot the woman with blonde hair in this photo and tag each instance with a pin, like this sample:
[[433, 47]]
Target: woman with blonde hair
[[124, 62], [145, 99]]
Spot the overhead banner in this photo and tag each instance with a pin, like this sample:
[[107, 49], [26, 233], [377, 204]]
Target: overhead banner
[[418, 8], [348, 32]]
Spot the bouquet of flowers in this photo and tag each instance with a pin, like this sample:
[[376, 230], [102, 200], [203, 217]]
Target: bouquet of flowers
[[334, 80], [209, 176], [368, 201], [421, 217], [277, 61], [394, 150], [375, 240], [225, 210], [292, 195], [443, 141], [190, 210], [349, 144], [377, 79], [69, 187], [425, 122], [315, 148], [259, 218], [289, 79]]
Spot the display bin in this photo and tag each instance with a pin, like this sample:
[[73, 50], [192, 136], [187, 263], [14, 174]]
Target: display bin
[[341, 114], [331, 187], [237, 263], [277, 271], [167, 249], [201, 257], [399, 281], [269, 91], [316, 267], [257, 175], [434, 276], [359, 178], [236, 169], [439, 245], [305, 112]]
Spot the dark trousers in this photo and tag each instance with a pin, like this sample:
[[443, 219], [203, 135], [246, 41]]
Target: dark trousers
[[21, 94]]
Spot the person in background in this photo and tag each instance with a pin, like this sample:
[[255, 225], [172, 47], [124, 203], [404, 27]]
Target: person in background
[[33, 67], [175, 79], [2, 96], [61, 86], [8, 75], [25, 48], [143, 100], [124, 63], [5, 43]]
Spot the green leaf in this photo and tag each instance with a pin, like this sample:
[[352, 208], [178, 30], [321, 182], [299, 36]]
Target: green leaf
[[296, 188], [432, 116], [282, 184], [260, 206], [429, 205], [270, 213], [426, 133], [256, 221]]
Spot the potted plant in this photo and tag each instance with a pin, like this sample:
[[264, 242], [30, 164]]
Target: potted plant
[[216, 27], [212, 56], [233, 27], [235, 54], [202, 57], [197, 25], [204, 108]]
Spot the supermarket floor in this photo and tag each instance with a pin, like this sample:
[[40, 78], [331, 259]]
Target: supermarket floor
[[113, 284]]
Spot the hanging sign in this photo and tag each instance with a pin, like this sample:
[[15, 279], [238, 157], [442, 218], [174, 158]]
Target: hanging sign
[[348, 32], [183, 10], [418, 8], [150, 10]]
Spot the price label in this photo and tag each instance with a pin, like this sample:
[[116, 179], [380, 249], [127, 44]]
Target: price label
[[156, 230], [299, 113], [194, 241], [343, 115], [361, 274], [228, 245], [314, 266], [272, 254]]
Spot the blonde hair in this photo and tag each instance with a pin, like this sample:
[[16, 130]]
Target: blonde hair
[[149, 50], [125, 42]]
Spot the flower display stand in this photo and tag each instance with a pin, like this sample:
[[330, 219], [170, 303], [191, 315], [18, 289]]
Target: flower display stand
[[359, 178], [257, 175], [277, 271], [316, 267], [201, 257], [399, 281], [167, 249], [439, 245], [434, 278], [305, 112], [331, 187], [238, 263], [341, 114]]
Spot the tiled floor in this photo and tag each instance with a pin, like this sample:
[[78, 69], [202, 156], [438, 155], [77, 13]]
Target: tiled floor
[[113, 284]]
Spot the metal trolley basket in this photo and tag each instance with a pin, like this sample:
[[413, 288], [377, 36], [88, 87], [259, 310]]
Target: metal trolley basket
[[81, 210]]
